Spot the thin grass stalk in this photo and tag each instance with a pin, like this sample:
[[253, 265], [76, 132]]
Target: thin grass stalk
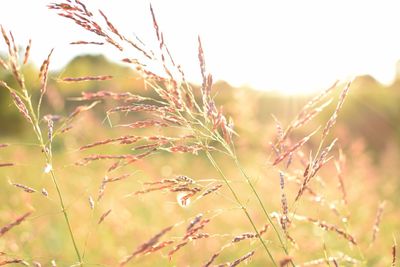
[[91, 228], [216, 166], [244, 174], [232, 153], [38, 132], [53, 177]]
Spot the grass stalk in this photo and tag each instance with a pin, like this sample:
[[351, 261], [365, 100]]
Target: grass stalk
[[48, 156], [244, 174], [216, 166], [64, 211]]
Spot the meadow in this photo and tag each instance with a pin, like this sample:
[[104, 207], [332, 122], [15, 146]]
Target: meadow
[[130, 164]]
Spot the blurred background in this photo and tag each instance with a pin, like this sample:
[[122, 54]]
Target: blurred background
[[268, 59]]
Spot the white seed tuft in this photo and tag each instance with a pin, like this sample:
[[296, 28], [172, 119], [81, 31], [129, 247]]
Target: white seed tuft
[[48, 168]]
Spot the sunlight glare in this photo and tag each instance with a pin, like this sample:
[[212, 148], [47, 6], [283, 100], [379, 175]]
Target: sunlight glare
[[284, 46]]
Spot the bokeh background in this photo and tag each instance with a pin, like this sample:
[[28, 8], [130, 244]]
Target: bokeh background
[[367, 129]]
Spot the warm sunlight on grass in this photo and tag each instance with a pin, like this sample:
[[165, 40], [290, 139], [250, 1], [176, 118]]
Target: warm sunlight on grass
[[122, 157]]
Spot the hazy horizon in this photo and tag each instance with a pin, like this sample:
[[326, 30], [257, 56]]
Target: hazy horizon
[[288, 46]]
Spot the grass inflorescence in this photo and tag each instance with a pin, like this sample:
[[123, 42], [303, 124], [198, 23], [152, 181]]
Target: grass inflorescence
[[183, 121]]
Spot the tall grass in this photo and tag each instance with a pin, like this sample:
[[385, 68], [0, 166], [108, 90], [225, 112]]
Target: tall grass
[[185, 119]]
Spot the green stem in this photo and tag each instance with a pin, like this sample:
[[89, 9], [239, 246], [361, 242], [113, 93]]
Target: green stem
[[47, 153], [263, 207], [214, 163], [53, 177], [261, 203], [244, 174], [35, 120]]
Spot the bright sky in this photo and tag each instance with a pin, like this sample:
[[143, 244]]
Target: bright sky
[[291, 46]]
